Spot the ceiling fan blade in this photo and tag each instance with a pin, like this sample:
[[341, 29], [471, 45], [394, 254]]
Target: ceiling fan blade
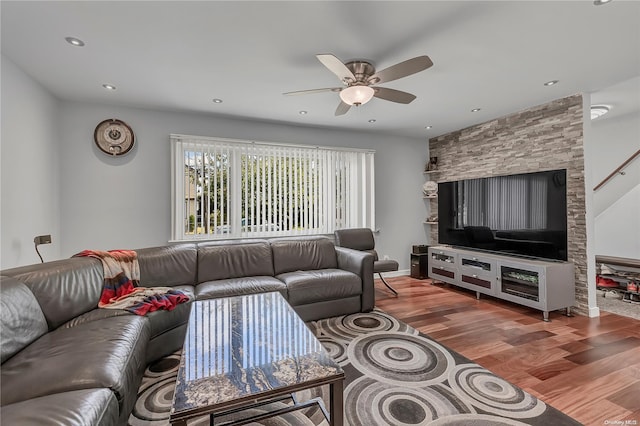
[[393, 95], [342, 108], [336, 66], [403, 69], [307, 92]]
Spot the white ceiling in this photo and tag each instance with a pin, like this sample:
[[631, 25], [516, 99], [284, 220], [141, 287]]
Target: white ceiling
[[179, 55]]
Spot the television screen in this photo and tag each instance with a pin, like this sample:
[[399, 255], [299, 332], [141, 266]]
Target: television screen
[[519, 215]]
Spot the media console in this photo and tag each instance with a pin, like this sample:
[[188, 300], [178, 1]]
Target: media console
[[539, 284]]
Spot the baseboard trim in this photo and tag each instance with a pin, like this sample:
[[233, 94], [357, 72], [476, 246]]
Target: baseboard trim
[[594, 312]]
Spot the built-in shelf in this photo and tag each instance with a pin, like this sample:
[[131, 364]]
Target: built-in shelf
[[431, 196]]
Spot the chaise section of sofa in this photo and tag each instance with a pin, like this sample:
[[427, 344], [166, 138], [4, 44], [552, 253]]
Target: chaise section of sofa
[[317, 287]]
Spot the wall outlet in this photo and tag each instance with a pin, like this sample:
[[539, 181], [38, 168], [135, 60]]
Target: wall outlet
[[42, 239], [385, 257]]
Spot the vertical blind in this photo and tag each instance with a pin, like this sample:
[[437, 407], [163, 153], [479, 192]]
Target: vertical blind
[[224, 188]]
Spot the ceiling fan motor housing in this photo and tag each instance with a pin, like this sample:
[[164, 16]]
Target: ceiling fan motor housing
[[362, 70]]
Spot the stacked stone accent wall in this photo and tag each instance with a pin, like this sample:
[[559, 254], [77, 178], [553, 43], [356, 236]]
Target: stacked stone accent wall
[[544, 137]]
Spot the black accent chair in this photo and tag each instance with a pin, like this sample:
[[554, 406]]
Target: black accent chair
[[480, 237], [362, 239]]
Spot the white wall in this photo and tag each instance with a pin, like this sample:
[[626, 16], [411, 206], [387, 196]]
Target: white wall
[[618, 228], [29, 176], [124, 202], [616, 204]]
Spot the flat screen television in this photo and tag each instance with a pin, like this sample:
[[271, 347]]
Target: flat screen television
[[519, 215]]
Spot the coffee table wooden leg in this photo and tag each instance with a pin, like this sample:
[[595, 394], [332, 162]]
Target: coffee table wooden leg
[[337, 405]]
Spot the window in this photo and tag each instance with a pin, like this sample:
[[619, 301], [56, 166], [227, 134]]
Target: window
[[224, 188]]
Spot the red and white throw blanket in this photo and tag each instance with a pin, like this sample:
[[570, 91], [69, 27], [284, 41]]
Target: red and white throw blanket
[[121, 279]]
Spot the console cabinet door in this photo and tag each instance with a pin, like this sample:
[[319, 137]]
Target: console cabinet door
[[442, 266], [477, 273], [522, 283]]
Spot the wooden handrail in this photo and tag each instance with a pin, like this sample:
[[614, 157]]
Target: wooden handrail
[[616, 171], [619, 261]]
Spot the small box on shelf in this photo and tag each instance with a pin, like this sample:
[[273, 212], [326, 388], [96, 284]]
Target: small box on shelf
[[432, 165]]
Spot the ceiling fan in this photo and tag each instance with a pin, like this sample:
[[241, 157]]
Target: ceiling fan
[[360, 78]]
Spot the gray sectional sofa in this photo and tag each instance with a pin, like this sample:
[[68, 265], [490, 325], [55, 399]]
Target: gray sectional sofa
[[65, 361]]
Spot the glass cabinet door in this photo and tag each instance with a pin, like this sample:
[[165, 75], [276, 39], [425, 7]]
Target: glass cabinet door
[[520, 282]]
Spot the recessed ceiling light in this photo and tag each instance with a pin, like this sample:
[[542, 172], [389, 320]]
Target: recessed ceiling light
[[373, 120], [599, 111], [600, 2], [303, 112], [109, 86], [475, 110], [74, 41], [217, 101], [551, 82], [428, 127]]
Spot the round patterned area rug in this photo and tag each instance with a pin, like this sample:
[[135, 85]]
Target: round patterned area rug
[[395, 376]]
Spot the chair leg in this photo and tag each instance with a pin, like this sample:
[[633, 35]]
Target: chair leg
[[387, 284]]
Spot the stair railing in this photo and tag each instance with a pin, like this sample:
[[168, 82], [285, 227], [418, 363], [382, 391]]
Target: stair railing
[[618, 170]]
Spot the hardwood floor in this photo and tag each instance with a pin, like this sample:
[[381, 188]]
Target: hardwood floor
[[588, 368]]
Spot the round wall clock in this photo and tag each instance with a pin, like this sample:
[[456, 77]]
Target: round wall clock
[[114, 137]]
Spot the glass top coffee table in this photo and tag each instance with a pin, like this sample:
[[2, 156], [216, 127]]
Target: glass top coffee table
[[247, 351]]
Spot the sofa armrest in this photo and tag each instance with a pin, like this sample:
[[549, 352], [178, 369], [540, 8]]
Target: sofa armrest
[[361, 264]]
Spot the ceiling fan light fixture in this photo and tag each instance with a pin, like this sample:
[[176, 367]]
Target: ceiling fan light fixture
[[356, 95]]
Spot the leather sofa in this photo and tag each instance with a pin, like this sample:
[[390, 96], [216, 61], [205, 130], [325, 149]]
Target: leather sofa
[[65, 361]]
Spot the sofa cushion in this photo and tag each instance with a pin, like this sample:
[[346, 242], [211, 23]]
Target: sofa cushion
[[98, 354], [64, 289], [168, 266], [85, 407], [320, 285], [228, 259], [163, 321], [21, 319], [239, 286], [302, 254]]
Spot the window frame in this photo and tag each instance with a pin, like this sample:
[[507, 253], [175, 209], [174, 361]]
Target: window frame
[[354, 186]]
